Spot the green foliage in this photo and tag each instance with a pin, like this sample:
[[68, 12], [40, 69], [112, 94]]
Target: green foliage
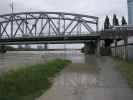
[[106, 23], [115, 20], [126, 67], [29, 82], [123, 21]]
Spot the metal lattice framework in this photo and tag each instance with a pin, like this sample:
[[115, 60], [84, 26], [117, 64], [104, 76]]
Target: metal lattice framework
[[44, 24]]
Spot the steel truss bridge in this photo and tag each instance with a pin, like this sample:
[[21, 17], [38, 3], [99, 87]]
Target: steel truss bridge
[[47, 27]]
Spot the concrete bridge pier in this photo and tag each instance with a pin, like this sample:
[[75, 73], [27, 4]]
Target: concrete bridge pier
[[45, 46], [3, 49], [86, 48], [98, 48], [90, 47]]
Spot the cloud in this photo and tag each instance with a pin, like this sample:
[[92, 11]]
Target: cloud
[[99, 8], [94, 7]]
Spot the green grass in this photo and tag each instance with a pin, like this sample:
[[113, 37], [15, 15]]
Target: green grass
[[29, 82], [126, 68]]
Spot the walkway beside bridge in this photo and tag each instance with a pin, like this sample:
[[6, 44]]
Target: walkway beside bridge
[[95, 80]]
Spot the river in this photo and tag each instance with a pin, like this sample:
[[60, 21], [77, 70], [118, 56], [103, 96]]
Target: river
[[15, 59]]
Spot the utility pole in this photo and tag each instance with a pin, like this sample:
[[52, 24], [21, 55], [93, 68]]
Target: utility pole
[[12, 11], [12, 6]]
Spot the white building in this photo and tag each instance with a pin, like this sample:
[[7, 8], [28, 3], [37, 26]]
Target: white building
[[130, 12]]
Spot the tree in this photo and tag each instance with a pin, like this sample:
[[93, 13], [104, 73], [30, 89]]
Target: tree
[[106, 23], [115, 20], [123, 21]]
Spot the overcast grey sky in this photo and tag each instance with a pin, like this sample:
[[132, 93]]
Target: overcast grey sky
[[99, 8], [94, 7]]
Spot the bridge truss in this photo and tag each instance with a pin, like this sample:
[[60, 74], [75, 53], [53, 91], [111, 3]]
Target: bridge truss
[[46, 24]]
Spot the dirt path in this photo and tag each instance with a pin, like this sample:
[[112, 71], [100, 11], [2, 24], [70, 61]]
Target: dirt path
[[96, 80]]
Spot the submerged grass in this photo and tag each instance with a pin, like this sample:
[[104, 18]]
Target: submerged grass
[[29, 82], [126, 68]]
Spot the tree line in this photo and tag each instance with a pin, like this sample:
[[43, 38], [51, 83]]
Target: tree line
[[107, 24]]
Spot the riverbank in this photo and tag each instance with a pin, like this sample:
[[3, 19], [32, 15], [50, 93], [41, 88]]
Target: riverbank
[[126, 68], [29, 82], [97, 79]]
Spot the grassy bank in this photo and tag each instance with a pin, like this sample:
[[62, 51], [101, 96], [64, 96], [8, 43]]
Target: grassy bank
[[30, 82], [126, 68]]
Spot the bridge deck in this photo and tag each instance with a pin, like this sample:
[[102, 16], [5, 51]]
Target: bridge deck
[[49, 39]]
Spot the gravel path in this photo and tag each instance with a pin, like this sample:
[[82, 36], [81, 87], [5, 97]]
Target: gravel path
[[95, 80]]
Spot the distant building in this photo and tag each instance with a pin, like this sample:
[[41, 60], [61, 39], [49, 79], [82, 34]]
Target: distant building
[[130, 12]]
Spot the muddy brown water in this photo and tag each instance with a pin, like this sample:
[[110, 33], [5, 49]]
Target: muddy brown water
[[87, 78], [13, 60]]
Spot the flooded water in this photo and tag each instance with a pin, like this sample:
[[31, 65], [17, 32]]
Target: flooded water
[[87, 78], [11, 60]]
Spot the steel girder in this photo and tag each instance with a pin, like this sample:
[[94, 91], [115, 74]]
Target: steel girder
[[43, 24]]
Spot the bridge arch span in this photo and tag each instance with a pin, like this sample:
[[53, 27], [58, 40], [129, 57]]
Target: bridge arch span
[[43, 24]]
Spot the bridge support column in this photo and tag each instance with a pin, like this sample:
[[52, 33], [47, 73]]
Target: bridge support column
[[98, 48], [86, 48], [45, 46], [90, 47], [3, 49]]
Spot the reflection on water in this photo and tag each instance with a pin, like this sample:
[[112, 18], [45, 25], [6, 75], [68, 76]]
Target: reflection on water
[[15, 58]]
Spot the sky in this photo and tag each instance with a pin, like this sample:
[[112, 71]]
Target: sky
[[99, 8]]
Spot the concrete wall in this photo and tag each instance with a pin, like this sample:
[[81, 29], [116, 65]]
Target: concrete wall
[[120, 51]]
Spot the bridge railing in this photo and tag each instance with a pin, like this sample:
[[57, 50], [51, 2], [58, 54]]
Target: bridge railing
[[117, 32]]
